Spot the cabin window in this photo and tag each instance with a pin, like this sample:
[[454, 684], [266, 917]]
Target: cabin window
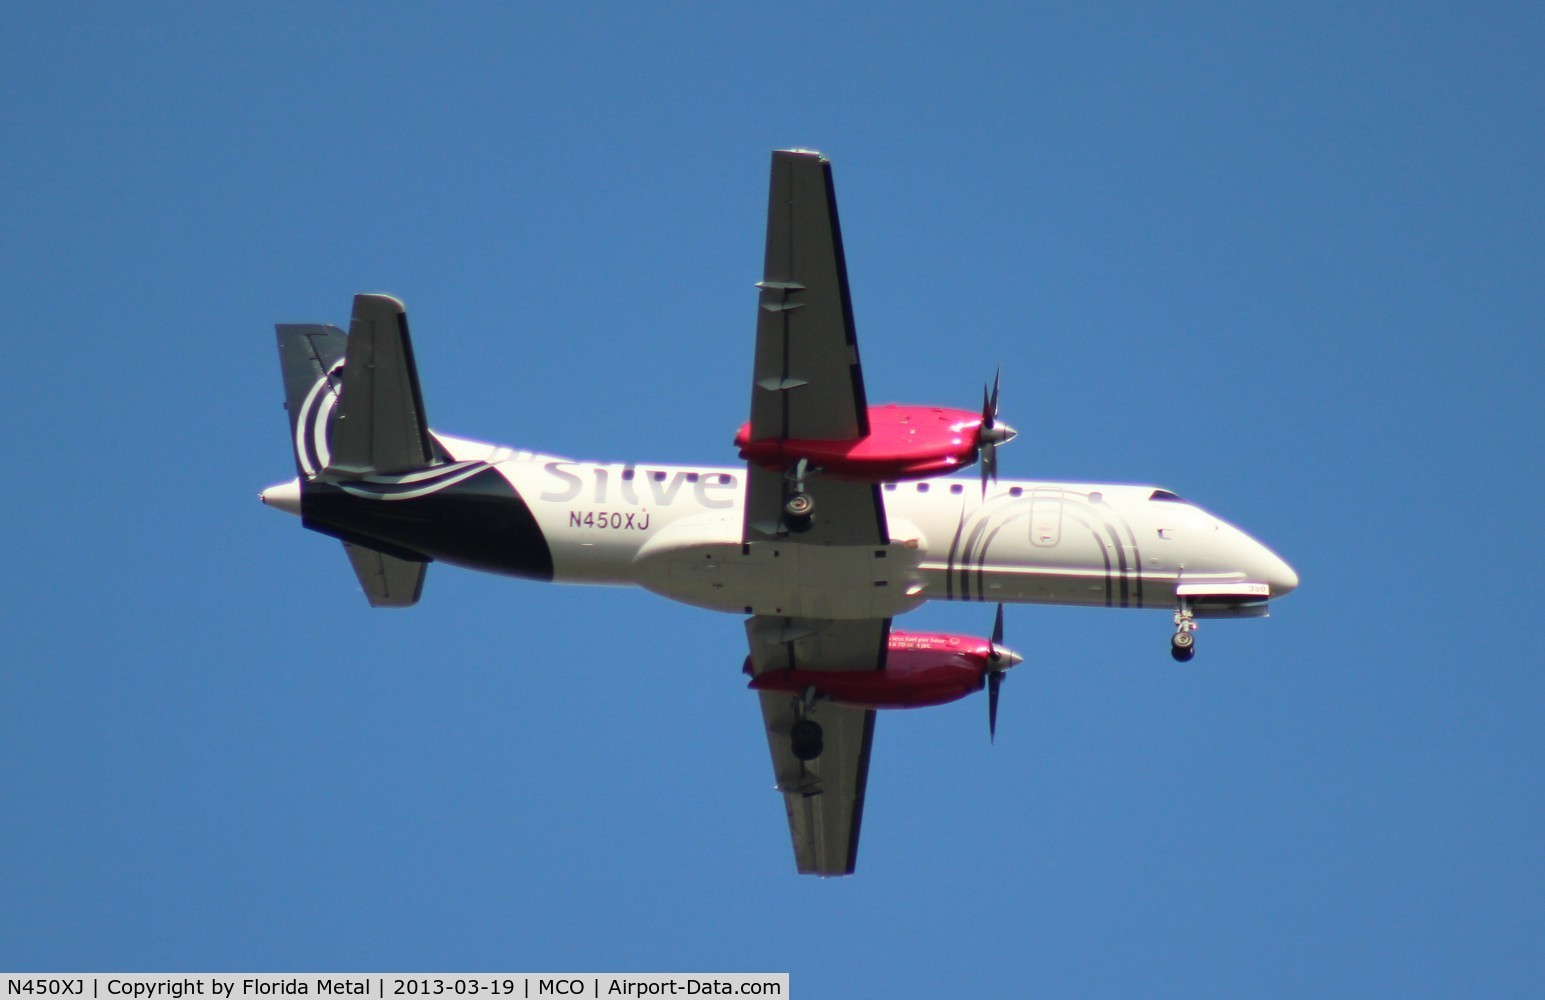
[[691, 477], [1097, 498], [1016, 491], [658, 477], [956, 488], [922, 487], [627, 475]]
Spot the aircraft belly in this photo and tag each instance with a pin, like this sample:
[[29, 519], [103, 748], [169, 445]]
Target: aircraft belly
[[1046, 585], [703, 562]]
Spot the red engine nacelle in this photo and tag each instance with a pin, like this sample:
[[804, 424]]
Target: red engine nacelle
[[921, 669], [904, 442]]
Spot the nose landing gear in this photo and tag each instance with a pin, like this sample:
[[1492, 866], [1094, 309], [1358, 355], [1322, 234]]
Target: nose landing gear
[[1182, 645]]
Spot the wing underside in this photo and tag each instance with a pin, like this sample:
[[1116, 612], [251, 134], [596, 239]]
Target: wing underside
[[807, 386], [824, 797], [807, 382]]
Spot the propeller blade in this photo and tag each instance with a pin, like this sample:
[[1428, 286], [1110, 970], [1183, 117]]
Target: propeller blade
[[994, 675], [987, 448], [994, 679]]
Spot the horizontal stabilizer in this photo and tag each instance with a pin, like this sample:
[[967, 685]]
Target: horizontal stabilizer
[[380, 427], [388, 581]]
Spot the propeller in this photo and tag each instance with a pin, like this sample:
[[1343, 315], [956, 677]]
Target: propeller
[[993, 433], [998, 661]]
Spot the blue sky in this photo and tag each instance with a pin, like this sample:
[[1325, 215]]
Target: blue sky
[[1286, 261]]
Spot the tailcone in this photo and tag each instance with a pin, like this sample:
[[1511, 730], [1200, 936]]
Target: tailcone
[[283, 496]]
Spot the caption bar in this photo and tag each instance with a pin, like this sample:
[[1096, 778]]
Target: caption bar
[[398, 986]]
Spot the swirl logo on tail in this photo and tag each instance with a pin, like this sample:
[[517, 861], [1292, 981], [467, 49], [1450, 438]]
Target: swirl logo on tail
[[313, 427]]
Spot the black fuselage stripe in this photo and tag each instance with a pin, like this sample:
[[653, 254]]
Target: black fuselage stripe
[[1121, 558], [1009, 518], [1110, 587], [949, 562], [1137, 563]]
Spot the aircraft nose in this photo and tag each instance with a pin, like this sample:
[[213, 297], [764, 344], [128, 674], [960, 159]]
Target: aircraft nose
[[1279, 575]]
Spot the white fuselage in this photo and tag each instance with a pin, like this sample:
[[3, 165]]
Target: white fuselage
[[677, 530]]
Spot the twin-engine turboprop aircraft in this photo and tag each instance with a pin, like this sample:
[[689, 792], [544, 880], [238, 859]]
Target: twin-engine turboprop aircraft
[[836, 523]]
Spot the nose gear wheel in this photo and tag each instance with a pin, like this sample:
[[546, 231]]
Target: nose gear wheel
[[1182, 645]]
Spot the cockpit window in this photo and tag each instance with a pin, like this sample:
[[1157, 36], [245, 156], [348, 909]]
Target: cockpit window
[[1165, 495]]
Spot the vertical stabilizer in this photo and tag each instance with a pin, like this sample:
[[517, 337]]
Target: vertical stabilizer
[[311, 360]]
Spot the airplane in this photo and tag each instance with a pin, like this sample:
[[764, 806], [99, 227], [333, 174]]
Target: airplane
[[842, 516]]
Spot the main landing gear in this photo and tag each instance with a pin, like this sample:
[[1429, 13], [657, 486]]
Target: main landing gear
[[806, 740], [798, 505], [805, 737], [1182, 645]]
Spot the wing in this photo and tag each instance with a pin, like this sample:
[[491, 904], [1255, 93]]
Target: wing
[[824, 797], [806, 382], [807, 379], [807, 385]]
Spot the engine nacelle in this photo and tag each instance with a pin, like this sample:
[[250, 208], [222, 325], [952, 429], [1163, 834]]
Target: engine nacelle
[[904, 442], [921, 669]]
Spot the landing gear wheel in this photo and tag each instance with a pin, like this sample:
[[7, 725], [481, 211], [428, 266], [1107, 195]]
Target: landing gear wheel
[[805, 736], [1182, 646], [799, 505]]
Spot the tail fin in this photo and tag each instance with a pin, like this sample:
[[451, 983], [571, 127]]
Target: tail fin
[[356, 412], [311, 358]]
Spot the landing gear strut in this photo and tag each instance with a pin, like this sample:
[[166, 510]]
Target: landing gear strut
[[1182, 645]]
